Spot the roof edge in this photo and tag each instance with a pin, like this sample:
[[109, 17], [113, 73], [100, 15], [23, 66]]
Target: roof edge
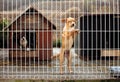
[[29, 7]]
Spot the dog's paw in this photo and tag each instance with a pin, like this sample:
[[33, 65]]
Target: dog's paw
[[77, 30], [52, 57]]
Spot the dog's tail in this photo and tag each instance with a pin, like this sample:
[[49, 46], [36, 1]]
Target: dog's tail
[[55, 56]]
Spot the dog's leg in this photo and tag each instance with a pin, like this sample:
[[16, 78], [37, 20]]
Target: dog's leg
[[61, 57], [70, 62]]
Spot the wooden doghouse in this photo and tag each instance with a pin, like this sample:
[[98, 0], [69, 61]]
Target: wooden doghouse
[[37, 31], [99, 36]]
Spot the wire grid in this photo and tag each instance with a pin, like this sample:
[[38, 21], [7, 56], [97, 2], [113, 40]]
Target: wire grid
[[31, 65]]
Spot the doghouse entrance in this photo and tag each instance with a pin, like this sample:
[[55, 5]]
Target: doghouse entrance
[[30, 37]]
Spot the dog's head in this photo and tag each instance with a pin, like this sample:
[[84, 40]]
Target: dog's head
[[69, 22], [23, 38]]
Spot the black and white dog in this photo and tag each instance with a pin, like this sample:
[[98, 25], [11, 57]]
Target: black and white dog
[[23, 42]]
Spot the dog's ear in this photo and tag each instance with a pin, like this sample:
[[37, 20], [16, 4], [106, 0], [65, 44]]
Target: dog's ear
[[64, 20]]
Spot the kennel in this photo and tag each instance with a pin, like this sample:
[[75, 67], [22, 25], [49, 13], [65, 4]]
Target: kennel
[[99, 36], [38, 32]]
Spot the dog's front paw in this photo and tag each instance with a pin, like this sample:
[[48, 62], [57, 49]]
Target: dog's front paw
[[77, 30], [52, 57]]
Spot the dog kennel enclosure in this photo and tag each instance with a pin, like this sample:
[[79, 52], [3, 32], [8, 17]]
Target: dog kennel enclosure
[[36, 20]]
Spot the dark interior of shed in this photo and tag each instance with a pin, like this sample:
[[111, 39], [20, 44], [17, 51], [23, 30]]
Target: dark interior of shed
[[98, 32], [30, 37]]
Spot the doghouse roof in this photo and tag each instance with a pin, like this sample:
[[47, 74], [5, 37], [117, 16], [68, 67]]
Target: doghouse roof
[[31, 9]]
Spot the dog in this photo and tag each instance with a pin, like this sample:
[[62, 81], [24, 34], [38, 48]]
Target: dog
[[23, 42], [68, 35]]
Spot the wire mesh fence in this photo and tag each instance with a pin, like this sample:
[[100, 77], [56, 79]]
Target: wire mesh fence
[[32, 32]]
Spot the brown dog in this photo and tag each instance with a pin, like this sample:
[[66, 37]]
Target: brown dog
[[68, 35]]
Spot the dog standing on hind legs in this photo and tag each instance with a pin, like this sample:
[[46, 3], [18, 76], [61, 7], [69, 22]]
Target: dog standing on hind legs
[[68, 35]]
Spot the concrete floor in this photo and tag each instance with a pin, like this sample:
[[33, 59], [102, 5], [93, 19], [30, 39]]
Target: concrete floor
[[50, 73], [50, 70]]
